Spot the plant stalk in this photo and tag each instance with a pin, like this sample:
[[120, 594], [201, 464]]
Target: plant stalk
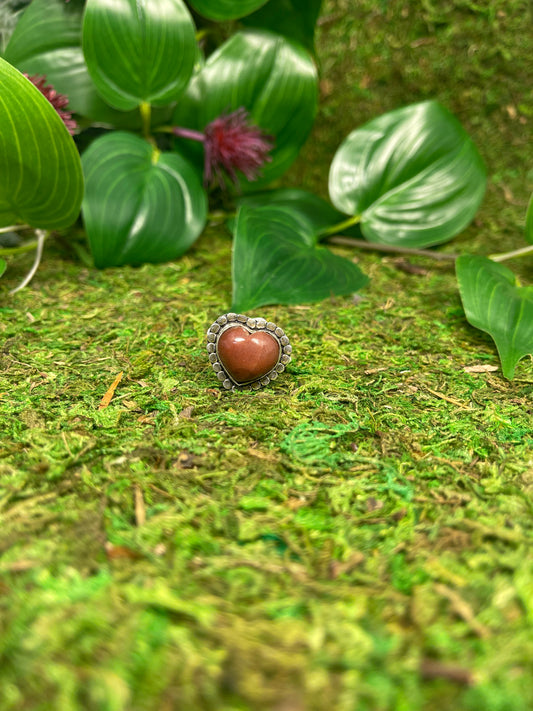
[[41, 237], [188, 133], [220, 216], [350, 222], [13, 228], [9, 251], [375, 247], [511, 255], [146, 117]]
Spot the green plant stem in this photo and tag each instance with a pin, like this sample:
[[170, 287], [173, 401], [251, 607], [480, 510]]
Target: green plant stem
[[350, 222], [202, 34], [146, 114], [146, 117], [373, 246], [511, 255], [220, 215], [9, 251]]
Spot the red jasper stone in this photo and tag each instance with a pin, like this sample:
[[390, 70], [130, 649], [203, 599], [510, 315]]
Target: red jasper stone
[[247, 356]]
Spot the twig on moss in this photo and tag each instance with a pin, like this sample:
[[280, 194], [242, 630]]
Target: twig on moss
[[373, 246]]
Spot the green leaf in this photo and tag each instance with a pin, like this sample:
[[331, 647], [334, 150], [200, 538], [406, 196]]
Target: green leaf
[[413, 175], [276, 261], [529, 221], [140, 205], [318, 213], [3, 265], [139, 51], [494, 303], [273, 78], [295, 19], [47, 42], [41, 181], [225, 9]]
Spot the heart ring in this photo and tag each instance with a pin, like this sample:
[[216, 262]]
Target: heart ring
[[247, 353]]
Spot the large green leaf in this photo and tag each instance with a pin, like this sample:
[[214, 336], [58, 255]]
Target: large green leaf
[[139, 51], [47, 42], [292, 18], [3, 266], [273, 78], [41, 181], [225, 9], [494, 303], [140, 205], [413, 175], [318, 214], [276, 261]]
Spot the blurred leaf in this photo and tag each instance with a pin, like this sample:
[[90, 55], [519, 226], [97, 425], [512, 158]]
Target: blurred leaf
[[494, 303], [295, 19], [276, 261], [413, 175], [47, 42], [225, 9], [140, 205], [3, 266], [41, 181], [139, 51], [529, 221], [273, 78]]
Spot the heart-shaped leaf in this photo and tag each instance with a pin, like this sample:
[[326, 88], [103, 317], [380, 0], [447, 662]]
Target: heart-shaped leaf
[[494, 303], [276, 261], [41, 181], [273, 78], [318, 214], [139, 51], [47, 42], [291, 18], [225, 9], [140, 205], [413, 175]]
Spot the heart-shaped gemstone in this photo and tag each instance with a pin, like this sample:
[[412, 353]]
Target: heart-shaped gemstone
[[247, 356], [247, 353]]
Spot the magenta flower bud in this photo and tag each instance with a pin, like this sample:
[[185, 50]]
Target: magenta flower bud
[[58, 101], [231, 145]]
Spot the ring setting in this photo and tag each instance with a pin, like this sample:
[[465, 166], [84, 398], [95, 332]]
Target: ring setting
[[247, 353]]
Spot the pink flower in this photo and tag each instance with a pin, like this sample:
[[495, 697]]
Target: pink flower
[[58, 101], [231, 144]]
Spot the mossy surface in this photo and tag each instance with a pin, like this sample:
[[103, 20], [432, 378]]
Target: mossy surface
[[356, 537]]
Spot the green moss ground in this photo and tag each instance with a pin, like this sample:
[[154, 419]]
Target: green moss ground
[[357, 537]]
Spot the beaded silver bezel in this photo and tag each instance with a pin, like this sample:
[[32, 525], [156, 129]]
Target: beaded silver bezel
[[230, 320]]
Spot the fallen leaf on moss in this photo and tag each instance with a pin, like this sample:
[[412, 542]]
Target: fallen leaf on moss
[[110, 392], [114, 552], [433, 669]]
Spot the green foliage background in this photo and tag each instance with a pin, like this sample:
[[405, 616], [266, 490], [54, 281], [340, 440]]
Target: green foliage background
[[359, 535]]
